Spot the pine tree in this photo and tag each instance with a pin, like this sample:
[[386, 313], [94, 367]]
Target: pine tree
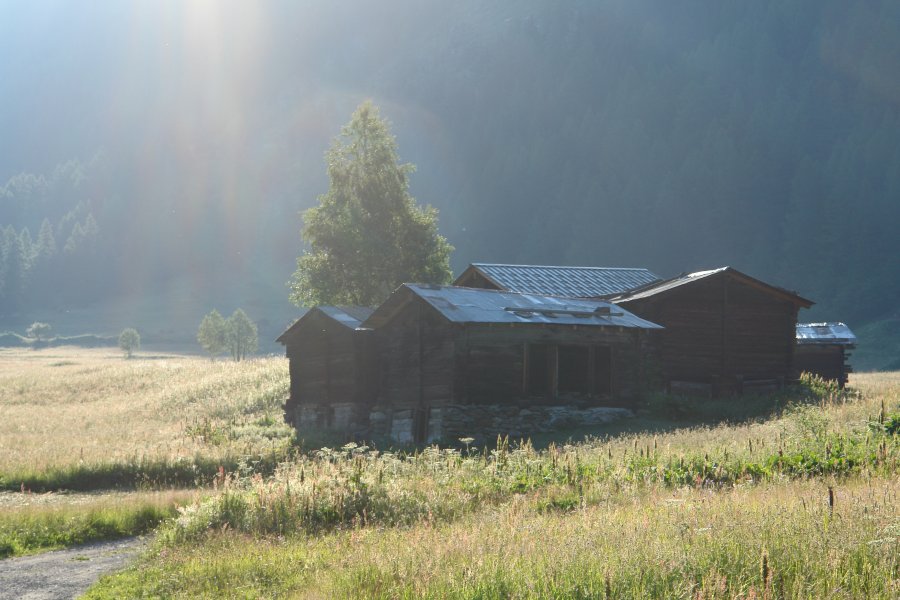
[[15, 269], [46, 242], [368, 235]]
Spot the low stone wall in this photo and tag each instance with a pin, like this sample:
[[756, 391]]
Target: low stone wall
[[486, 421]]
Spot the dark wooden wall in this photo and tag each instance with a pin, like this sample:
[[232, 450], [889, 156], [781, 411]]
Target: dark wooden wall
[[491, 363], [330, 364], [427, 361], [415, 352], [474, 279], [722, 331], [828, 361]]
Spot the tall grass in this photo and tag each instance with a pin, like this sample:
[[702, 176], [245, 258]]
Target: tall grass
[[649, 543], [800, 505], [78, 418], [34, 525]]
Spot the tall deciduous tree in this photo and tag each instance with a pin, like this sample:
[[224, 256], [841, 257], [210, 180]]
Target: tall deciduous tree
[[212, 333], [129, 341], [241, 335], [368, 235]]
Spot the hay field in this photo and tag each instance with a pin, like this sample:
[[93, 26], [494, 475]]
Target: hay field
[[62, 407]]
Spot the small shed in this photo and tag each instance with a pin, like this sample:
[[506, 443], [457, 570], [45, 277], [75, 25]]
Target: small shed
[[823, 349], [457, 362], [725, 331], [332, 368], [572, 282]]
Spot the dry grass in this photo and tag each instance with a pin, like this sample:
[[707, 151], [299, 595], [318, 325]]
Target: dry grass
[[65, 406]]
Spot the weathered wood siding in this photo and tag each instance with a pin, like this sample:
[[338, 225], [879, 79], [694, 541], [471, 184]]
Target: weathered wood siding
[[828, 361], [474, 279], [722, 331], [434, 372], [415, 359], [491, 363], [331, 365]]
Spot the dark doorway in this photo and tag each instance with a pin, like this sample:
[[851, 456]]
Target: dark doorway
[[602, 370], [574, 369], [537, 369]]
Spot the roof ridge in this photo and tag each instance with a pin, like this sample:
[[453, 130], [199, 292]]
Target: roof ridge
[[462, 287], [560, 267]]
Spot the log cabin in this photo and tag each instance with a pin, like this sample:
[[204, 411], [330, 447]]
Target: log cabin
[[461, 362], [332, 368], [823, 349]]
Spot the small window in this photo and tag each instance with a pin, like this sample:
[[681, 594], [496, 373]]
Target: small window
[[537, 369], [574, 369]]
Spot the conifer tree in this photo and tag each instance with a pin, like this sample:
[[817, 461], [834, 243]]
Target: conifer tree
[[46, 242], [368, 235]]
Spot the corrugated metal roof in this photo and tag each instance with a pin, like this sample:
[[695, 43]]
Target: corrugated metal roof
[[348, 316], [470, 305], [577, 282], [664, 286], [825, 333]]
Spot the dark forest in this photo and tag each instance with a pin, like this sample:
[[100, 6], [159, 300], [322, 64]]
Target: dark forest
[[145, 150]]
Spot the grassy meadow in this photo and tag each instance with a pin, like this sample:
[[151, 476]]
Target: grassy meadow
[[801, 504], [89, 419], [801, 501]]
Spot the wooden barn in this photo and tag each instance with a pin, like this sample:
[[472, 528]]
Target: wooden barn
[[823, 349], [725, 332], [457, 362], [332, 367], [571, 282]]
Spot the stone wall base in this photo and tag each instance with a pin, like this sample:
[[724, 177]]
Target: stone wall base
[[482, 422]]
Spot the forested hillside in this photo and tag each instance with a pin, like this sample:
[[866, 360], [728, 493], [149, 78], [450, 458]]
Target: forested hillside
[[157, 143]]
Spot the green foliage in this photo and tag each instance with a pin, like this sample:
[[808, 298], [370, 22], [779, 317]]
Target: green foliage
[[129, 341], [368, 235], [212, 333], [892, 424], [39, 331], [26, 532], [818, 388], [241, 335]]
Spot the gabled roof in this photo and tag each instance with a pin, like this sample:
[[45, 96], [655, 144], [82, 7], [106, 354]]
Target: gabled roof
[[661, 287], [574, 282], [825, 333], [471, 305], [348, 316]]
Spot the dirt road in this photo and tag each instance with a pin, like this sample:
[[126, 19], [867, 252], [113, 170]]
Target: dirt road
[[64, 574]]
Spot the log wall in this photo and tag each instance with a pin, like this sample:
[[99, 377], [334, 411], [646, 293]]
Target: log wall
[[723, 332]]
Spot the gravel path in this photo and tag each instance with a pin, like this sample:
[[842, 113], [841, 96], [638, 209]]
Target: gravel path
[[64, 574]]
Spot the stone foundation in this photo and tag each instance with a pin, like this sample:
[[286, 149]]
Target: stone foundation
[[485, 422], [482, 422]]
